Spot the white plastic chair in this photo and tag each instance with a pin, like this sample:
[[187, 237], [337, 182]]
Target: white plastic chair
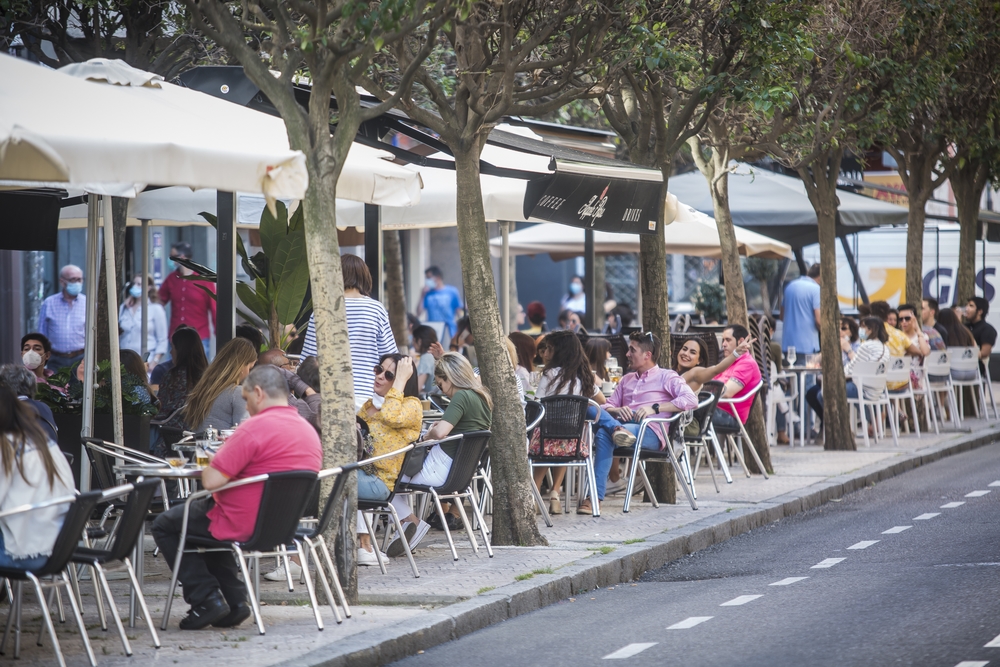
[[743, 435], [937, 382], [870, 378], [967, 359], [899, 371]]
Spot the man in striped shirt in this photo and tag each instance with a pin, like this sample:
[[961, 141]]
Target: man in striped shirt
[[368, 330], [63, 317]]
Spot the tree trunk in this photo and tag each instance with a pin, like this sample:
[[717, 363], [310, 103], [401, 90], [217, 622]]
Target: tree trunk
[[656, 318], [600, 288], [736, 298], [395, 299], [822, 192], [967, 182], [915, 221], [513, 507], [119, 213]]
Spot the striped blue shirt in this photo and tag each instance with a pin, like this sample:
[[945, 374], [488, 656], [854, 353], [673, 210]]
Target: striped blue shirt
[[64, 322], [370, 337]]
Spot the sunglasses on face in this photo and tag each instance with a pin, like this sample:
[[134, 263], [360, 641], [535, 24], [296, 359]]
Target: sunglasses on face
[[389, 375], [905, 318]]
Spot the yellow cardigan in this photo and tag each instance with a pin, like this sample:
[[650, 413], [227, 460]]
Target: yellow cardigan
[[394, 426]]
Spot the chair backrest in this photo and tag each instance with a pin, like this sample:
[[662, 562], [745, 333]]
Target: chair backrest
[[938, 363], [565, 416], [281, 506], [898, 370], [329, 507], [708, 399], [533, 413], [132, 518], [964, 358], [74, 523], [869, 375], [439, 401], [471, 449], [101, 465]]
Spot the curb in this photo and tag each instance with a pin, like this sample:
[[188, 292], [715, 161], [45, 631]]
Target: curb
[[625, 564]]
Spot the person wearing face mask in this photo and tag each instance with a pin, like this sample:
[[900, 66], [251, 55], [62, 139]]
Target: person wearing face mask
[[575, 299], [441, 302], [35, 352], [189, 303], [130, 323], [62, 319]]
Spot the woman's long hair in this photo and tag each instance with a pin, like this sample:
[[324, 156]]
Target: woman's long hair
[[189, 355], [225, 372], [568, 357], [411, 388], [702, 352], [136, 367], [958, 334], [19, 426], [525, 346], [457, 370], [876, 329], [597, 350]]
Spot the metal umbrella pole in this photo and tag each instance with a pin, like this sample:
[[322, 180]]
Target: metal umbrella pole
[[144, 304], [112, 294], [89, 371], [505, 277]]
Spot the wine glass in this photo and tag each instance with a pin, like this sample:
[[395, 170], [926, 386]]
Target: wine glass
[[790, 355]]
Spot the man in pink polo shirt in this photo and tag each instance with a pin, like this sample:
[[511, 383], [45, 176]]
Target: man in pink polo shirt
[[274, 439], [739, 380]]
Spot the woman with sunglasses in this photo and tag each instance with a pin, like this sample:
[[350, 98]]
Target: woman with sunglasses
[[394, 417]]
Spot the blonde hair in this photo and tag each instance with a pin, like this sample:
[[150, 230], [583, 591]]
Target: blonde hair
[[225, 372], [457, 370], [511, 352]]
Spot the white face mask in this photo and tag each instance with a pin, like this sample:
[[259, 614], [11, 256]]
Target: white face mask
[[377, 401], [31, 360]]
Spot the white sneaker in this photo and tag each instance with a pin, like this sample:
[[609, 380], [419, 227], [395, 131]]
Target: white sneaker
[[395, 548], [368, 558], [623, 438], [422, 529], [279, 573]]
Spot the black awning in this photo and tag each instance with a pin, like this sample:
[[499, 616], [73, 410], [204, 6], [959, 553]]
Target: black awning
[[29, 219]]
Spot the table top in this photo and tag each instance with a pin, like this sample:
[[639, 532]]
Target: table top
[[801, 369], [432, 415], [189, 471]]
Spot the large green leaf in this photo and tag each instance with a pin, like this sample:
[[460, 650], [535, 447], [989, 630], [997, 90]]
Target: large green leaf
[[295, 224], [257, 304], [291, 291], [273, 228], [240, 248], [291, 249]]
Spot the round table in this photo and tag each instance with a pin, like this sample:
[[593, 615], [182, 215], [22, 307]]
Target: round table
[[802, 372]]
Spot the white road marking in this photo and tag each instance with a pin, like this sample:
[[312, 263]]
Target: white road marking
[[995, 643], [973, 663], [996, 483], [896, 529], [741, 600], [629, 651], [863, 545], [977, 494], [689, 622], [924, 517], [787, 582], [951, 506], [829, 562]]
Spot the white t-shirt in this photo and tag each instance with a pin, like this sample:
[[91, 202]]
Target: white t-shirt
[[549, 383]]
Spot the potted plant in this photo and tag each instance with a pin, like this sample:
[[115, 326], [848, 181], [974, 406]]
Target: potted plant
[[710, 300]]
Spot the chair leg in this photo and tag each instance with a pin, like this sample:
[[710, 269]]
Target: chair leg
[[482, 528], [738, 451], [304, 557], [142, 601], [539, 502], [283, 559], [113, 608], [595, 503], [677, 471], [321, 571], [459, 502], [444, 523], [14, 615], [99, 598], [406, 544], [336, 577], [753, 450], [916, 416], [238, 554], [629, 489], [48, 625], [371, 535], [720, 456], [864, 423]]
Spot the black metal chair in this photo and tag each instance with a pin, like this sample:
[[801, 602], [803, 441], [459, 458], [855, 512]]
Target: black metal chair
[[708, 399], [640, 456], [458, 486], [102, 455], [282, 503], [439, 401], [74, 524], [565, 418], [128, 531]]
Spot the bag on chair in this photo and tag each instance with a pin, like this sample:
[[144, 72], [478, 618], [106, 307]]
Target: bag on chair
[[560, 448]]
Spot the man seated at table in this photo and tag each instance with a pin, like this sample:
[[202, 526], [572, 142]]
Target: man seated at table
[[274, 439], [647, 390], [739, 380]]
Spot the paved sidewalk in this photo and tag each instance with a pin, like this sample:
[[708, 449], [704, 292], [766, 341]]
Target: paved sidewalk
[[400, 615]]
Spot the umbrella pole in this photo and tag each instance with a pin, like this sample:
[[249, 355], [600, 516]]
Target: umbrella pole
[[373, 249], [112, 283], [90, 336], [144, 304], [225, 268], [589, 288], [505, 277]]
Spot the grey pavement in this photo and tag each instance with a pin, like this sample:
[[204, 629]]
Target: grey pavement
[[400, 615]]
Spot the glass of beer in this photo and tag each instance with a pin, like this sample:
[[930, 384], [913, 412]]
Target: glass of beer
[[201, 453]]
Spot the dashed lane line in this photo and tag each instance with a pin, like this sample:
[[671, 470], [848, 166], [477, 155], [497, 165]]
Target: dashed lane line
[[629, 651], [896, 529], [995, 643], [690, 622], [863, 544], [951, 506], [924, 517], [977, 494], [741, 600], [996, 483], [973, 663], [788, 581], [828, 562]]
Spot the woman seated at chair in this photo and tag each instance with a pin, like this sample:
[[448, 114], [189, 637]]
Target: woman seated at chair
[[691, 358], [568, 372], [34, 470], [394, 417], [217, 399], [471, 409], [189, 364], [873, 348]]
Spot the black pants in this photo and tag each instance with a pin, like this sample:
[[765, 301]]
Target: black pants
[[814, 398], [200, 573]]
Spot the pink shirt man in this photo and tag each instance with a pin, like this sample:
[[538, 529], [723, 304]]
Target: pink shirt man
[[655, 386], [746, 372]]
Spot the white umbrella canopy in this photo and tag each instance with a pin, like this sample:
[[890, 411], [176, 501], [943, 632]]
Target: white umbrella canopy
[[690, 233]]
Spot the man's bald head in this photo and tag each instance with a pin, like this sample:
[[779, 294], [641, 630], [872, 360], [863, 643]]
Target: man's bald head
[[275, 357]]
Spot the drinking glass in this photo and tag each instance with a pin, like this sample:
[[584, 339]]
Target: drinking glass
[[790, 355]]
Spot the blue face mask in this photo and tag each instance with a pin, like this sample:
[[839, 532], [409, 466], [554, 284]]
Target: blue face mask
[[74, 289], [862, 335], [575, 288], [135, 291]]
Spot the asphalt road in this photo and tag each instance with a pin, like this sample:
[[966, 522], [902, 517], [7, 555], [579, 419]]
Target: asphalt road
[[903, 573]]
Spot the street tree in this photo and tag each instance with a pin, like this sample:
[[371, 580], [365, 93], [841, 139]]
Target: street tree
[[507, 57], [330, 45]]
